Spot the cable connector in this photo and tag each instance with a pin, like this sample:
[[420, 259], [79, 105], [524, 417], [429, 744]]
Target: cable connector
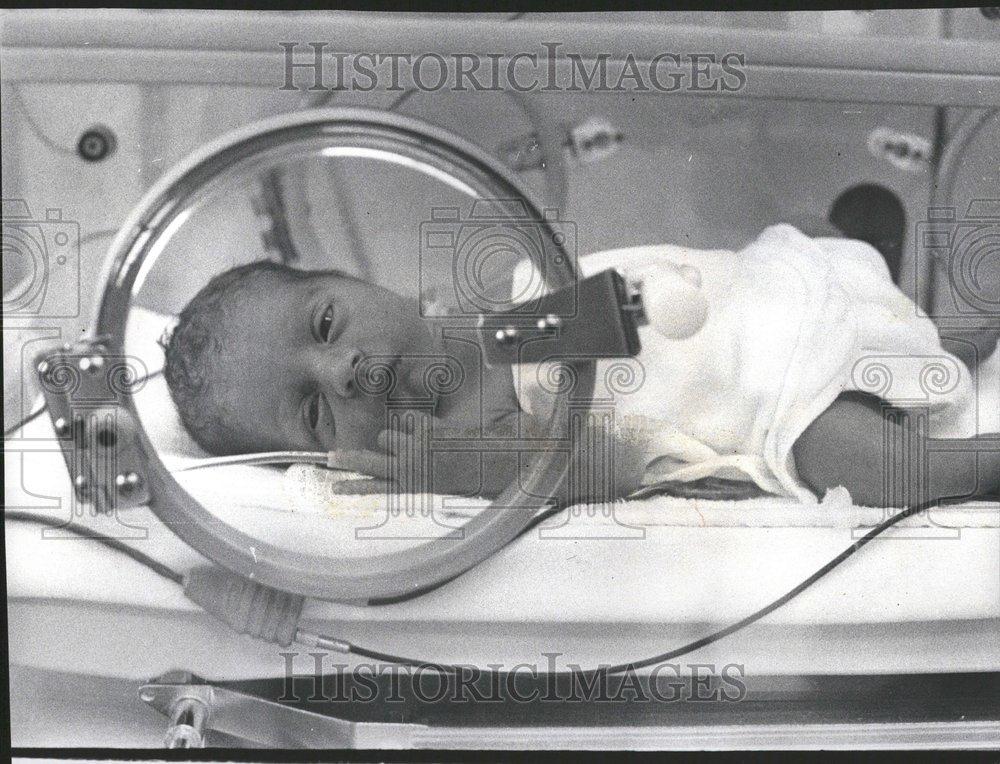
[[310, 639], [247, 606]]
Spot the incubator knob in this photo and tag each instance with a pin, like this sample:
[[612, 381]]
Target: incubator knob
[[673, 302]]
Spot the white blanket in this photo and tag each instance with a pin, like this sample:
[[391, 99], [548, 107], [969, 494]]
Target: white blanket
[[793, 322]]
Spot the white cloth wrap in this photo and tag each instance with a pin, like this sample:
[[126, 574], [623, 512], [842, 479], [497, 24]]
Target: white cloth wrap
[[793, 322]]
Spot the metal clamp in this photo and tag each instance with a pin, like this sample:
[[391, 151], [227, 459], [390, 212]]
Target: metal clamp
[[85, 387], [196, 708], [597, 317]]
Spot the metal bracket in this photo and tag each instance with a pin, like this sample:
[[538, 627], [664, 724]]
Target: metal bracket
[[598, 317], [196, 708], [85, 387]]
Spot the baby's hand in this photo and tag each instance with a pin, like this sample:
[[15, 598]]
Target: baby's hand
[[464, 468], [363, 463], [406, 463]]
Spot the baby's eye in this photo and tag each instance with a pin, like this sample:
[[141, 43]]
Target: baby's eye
[[326, 324]]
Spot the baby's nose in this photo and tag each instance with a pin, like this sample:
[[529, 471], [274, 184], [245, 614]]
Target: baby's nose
[[341, 371], [350, 382]]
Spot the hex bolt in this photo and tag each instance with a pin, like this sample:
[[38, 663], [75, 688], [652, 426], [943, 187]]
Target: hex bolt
[[506, 336], [551, 321], [92, 363]]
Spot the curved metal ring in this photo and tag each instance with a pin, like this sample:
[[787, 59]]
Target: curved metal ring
[[134, 250]]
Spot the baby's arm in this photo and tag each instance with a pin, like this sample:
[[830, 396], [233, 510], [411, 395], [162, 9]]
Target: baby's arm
[[846, 445], [489, 471]]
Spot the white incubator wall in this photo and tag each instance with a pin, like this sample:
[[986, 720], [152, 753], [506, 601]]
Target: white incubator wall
[[595, 584]]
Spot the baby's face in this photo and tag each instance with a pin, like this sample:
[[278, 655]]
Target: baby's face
[[291, 355]]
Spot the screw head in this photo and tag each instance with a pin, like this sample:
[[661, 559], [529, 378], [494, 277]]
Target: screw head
[[506, 336], [127, 482], [551, 321], [81, 482], [61, 426], [43, 367], [91, 363]]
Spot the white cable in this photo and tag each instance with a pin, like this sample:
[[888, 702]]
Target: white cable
[[269, 457], [332, 460]]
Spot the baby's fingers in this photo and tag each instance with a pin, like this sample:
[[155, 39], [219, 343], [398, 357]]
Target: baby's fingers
[[395, 441]]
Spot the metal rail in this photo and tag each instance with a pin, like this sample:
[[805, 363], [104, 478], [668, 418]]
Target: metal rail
[[196, 708], [189, 47]]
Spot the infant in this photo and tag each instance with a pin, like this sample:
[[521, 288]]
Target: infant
[[268, 358]]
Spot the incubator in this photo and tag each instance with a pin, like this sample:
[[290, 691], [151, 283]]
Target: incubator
[[161, 159]]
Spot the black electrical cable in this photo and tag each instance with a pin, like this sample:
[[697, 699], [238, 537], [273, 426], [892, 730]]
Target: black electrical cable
[[88, 533], [704, 641], [773, 605], [375, 655], [30, 418], [176, 577]]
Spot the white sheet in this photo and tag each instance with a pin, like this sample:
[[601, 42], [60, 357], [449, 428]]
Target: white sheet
[[793, 322]]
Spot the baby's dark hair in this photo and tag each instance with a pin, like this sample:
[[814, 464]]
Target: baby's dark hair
[[198, 340]]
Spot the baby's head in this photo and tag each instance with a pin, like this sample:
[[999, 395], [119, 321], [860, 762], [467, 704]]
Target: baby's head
[[264, 358]]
